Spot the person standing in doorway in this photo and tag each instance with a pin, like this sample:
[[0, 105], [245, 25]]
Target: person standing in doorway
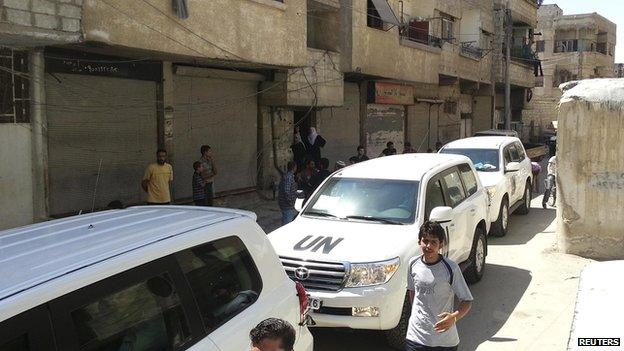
[[316, 142], [361, 154], [433, 282], [299, 151], [156, 180], [209, 171], [287, 194], [199, 185]]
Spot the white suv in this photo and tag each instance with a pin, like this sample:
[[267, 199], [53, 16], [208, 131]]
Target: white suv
[[504, 169], [351, 243], [143, 278]]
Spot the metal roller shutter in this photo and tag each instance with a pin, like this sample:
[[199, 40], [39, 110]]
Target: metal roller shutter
[[92, 120], [221, 113]]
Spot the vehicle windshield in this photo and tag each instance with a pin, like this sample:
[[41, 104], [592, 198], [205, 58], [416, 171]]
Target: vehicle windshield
[[379, 200], [485, 160]]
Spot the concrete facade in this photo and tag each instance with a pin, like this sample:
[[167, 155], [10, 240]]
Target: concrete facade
[[40, 22], [571, 47]]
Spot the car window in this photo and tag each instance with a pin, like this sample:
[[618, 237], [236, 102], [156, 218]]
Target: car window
[[434, 197], [507, 154], [223, 278], [454, 188], [521, 154], [513, 153], [470, 181], [143, 315], [484, 160], [27, 331]]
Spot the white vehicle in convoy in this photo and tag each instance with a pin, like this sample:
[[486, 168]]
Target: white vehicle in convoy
[[143, 278], [352, 241], [504, 170]]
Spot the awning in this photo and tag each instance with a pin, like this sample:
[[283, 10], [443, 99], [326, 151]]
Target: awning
[[385, 12]]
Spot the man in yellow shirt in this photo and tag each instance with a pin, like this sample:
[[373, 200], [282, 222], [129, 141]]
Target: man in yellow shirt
[[156, 180]]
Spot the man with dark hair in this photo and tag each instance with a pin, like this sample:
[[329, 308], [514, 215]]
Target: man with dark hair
[[273, 334], [321, 175], [287, 193], [361, 154], [156, 180], [389, 150], [433, 281], [209, 171], [199, 185], [408, 149]]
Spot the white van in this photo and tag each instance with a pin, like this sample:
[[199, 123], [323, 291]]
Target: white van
[[351, 242], [143, 278]]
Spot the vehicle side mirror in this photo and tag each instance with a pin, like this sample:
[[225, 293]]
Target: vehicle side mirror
[[512, 167], [299, 201], [441, 214]]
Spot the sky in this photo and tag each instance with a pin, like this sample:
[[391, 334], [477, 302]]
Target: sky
[[611, 9]]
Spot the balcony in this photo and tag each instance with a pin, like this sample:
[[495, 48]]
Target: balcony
[[424, 39], [471, 51], [522, 11]]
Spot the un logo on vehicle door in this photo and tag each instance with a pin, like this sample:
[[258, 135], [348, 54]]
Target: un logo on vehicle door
[[302, 273]]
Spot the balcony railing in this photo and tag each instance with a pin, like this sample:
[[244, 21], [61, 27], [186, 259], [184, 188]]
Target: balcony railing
[[523, 53], [421, 37], [470, 50]]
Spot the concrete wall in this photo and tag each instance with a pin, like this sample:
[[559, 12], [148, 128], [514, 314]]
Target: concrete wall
[[261, 31], [39, 22], [590, 170], [16, 183], [275, 135], [340, 126]]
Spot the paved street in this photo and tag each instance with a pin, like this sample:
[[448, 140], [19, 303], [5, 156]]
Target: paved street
[[524, 302]]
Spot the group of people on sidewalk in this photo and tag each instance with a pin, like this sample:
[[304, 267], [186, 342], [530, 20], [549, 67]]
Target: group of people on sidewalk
[[158, 177]]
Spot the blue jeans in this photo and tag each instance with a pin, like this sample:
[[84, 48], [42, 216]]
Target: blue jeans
[[288, 216]]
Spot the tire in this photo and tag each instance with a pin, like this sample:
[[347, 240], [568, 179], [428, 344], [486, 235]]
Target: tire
[[499, 228], [474, 272], [525, 208], [395, 337]]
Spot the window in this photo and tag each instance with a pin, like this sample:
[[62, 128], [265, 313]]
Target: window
[[484, 160], [394, 200], [418, 31], [513, 154], [454, 188], [14, 85], [223, 278], [566, 45], [540, 46], [27, 331], [470, 181], [142, 316], [447, 29], [373, 19], [434, 197], [520, 149]]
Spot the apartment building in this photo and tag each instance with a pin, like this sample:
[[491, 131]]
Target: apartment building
[[518, 20], [98, 86], [571, 47]]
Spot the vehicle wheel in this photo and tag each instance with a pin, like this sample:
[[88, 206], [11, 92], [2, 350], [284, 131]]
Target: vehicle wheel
[[499, 228], [474, 272], [395, 337], [526, 200]]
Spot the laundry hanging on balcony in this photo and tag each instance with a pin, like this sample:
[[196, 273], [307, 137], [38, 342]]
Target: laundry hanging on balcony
[[385, 12], [181, 9]]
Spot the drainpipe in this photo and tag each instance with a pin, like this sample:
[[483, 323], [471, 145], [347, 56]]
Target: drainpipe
[[39, 125]]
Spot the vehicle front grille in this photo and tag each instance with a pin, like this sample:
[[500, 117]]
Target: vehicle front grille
[[325, 276]]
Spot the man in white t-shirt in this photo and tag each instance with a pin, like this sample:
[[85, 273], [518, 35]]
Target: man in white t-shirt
[[433, 282]]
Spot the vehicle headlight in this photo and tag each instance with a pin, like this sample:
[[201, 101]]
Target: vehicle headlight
[[373, 273]]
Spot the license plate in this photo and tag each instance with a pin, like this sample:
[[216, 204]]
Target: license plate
[[315, 304]]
